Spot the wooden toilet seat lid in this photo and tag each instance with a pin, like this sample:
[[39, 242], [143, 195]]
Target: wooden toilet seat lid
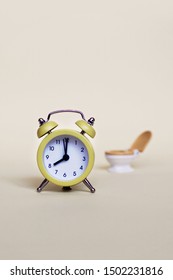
[[119, 152]]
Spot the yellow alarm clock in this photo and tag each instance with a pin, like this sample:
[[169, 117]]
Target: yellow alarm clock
[[65, 157]]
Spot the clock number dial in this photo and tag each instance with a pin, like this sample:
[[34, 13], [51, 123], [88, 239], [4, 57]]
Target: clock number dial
[[69, 154]]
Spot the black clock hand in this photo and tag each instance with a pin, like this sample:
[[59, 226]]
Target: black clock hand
[[57, 162], [65, 158], [65, 143]]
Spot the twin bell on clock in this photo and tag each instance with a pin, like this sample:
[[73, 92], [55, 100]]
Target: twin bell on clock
[[65, 157]]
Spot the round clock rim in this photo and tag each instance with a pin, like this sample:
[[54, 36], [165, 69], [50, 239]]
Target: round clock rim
[[83, 139]]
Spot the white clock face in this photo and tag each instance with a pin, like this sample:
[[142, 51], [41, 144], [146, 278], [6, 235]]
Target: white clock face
[[65, 157]]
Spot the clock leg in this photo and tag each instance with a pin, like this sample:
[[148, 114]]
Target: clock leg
[[88, 184], [43, 184]]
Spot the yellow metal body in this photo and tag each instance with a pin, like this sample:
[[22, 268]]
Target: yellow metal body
[[51, 136]]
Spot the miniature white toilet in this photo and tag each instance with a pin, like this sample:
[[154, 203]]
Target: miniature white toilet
[[121, 163], [120, 160]]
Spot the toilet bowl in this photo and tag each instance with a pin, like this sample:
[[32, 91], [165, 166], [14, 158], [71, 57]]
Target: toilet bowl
[[120, 161]]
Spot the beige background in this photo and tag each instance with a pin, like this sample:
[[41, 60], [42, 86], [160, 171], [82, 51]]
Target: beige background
[[113, 60]]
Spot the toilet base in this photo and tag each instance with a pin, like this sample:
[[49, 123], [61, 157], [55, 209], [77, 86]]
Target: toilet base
[[121, 169]]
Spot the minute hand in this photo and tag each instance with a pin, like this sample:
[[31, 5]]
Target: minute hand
[[65, 143]]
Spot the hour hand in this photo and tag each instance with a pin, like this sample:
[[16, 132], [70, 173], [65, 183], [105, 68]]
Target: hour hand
[[65, 158], [55, 163]]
